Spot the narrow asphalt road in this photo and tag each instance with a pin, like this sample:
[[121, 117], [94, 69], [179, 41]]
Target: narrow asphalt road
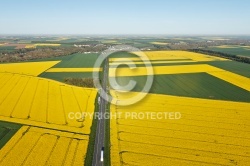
[[100, 131]]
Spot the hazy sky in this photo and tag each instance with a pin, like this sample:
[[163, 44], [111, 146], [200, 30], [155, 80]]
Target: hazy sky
[[125, 17]]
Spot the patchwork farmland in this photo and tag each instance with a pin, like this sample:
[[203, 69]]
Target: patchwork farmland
[[211, 94], [124, 83], [232, 49], [39, 108]]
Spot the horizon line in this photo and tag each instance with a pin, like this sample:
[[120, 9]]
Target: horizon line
[[34, 34]]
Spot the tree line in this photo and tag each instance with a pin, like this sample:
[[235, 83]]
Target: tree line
[[223, 55]]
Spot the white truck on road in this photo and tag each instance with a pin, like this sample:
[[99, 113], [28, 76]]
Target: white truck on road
[[102, 154]]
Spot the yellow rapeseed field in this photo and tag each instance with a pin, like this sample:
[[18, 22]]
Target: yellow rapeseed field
[[45, 103], [38, 146], [59, 39], [27, 68], [169, 57], [162, 55], [42, 44], [152, 62], [30, 46], [159, 43], [227, 46], [47, 44], [209, 132]]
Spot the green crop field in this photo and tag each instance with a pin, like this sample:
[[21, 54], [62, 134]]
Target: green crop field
[[72, 61], [78, 60], [198, 85], [235, 50], [7, 130], [233, 66]]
